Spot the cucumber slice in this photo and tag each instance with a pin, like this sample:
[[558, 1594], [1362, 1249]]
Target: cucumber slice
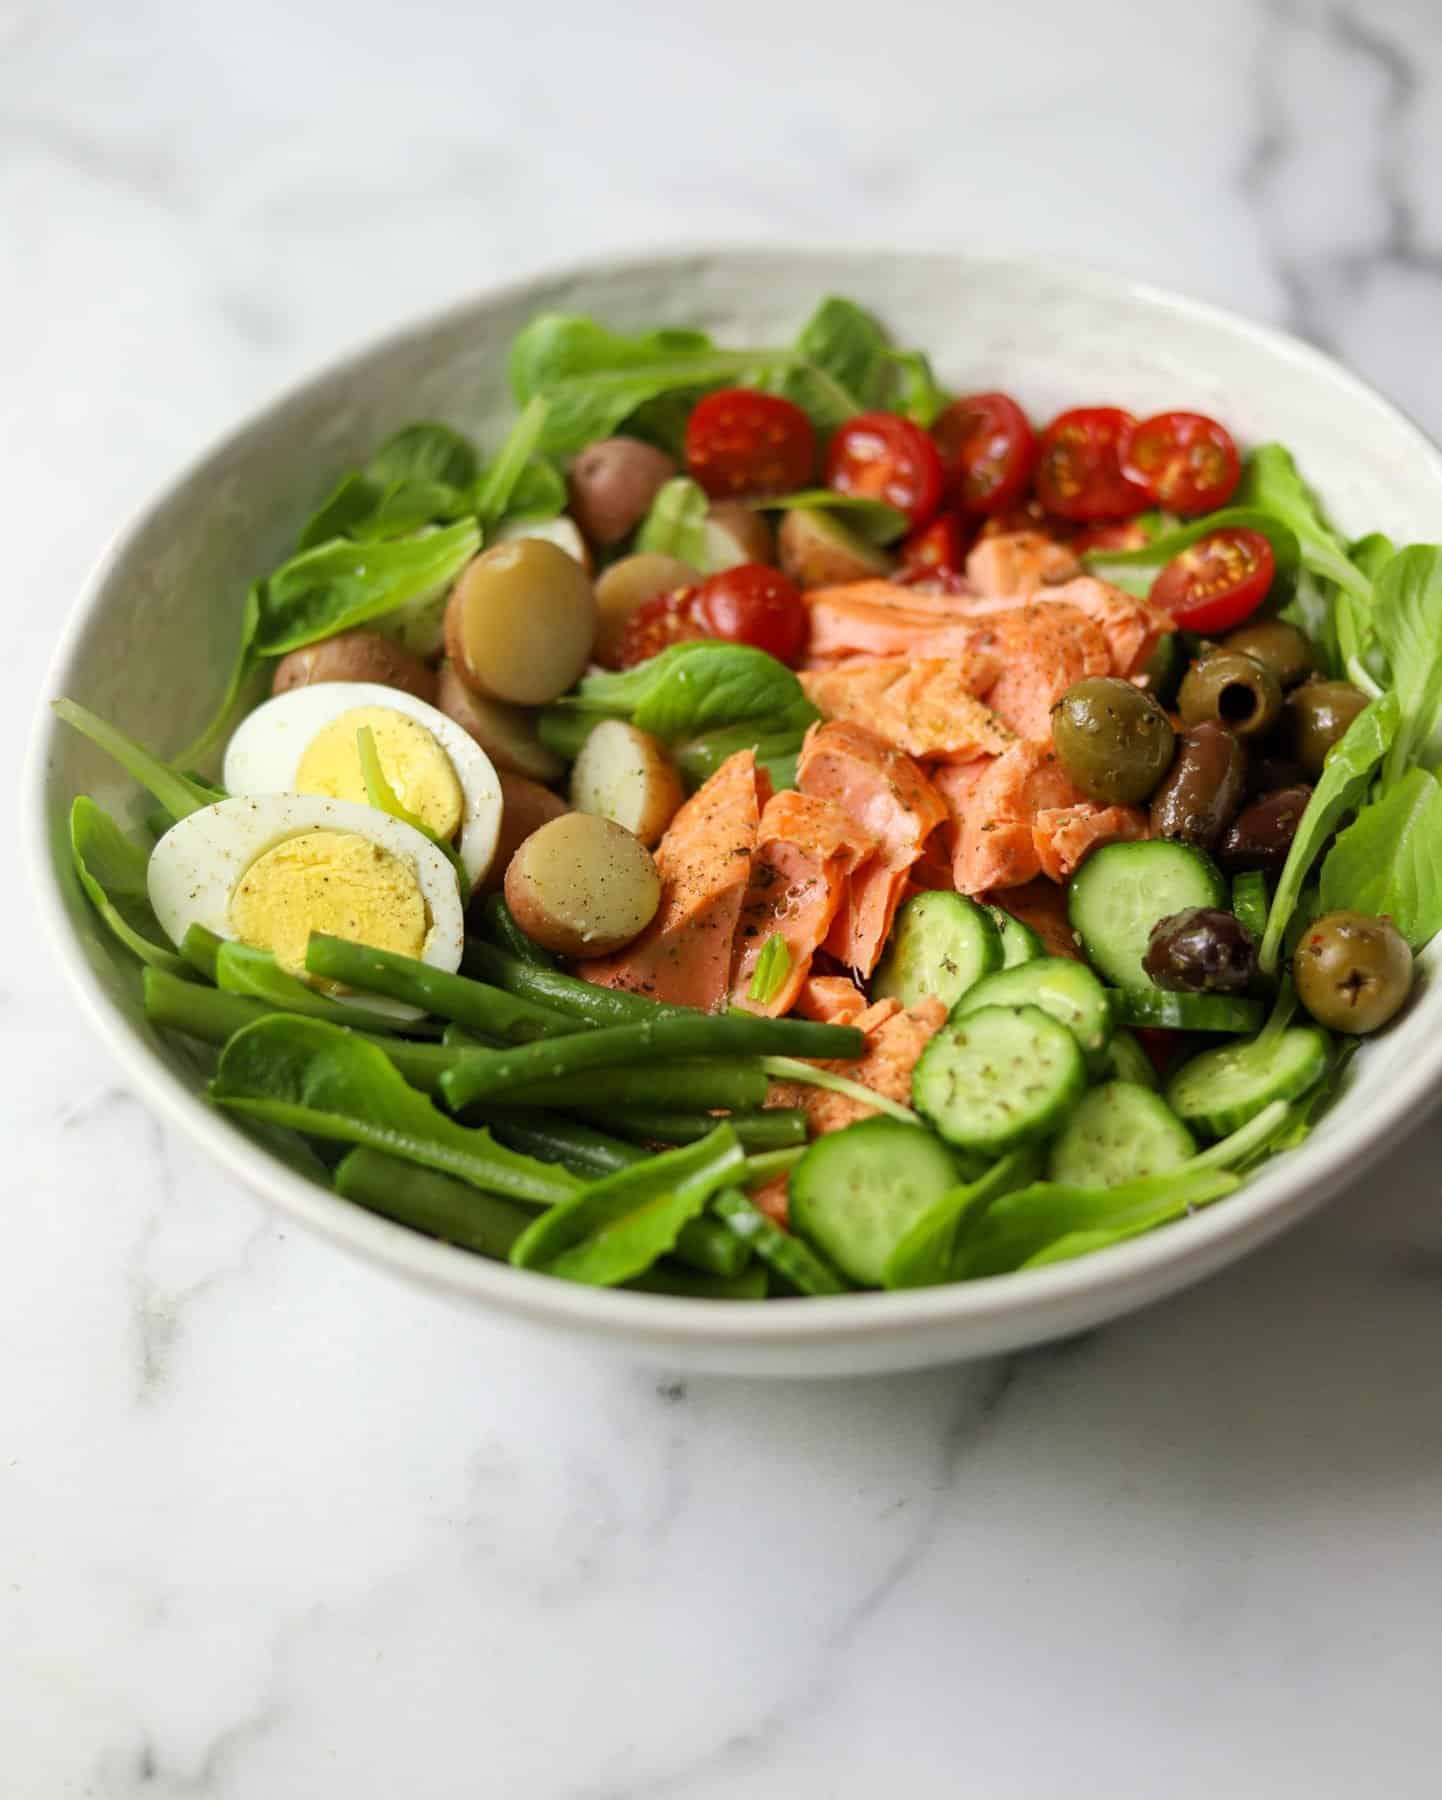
[[941, 946], [1250, 902], [998, 1077], [857, 1192], [1121, 891], [1019, 943], [1120, 1132], [1220, 1090], [1187, 1012], [1066, 990], [1127, 1061]]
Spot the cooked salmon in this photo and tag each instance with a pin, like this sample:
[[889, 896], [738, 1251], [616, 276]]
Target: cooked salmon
[[895, 1038], [869, 619], [887, 794], [830, 1000], [1132, 627], [1018, 816], [684, 955], [806, 850], [1045, 649], [1041, 905], [926, 706], [1016, 563]]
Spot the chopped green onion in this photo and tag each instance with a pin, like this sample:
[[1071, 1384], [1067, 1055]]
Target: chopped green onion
[[772, 968]]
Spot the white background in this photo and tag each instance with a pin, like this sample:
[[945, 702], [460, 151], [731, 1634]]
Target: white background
[[275, 1526]]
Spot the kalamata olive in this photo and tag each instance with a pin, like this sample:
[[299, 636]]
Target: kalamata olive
[[1202, 950], [1233, 688], [1353, 972], [1261, 834], [1113, 740], [1265, 774], [1202, 790], [1315, 717], [1162, 671], [1287, 652]]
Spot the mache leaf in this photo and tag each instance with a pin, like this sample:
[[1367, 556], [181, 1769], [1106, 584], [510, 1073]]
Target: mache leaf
[[496, 487], [676, 524], [180, 795], [112, 871], [873, 520], [1407, 618], [1389, 860]]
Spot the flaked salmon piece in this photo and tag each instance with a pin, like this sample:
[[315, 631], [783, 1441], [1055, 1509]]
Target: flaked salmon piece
[[1045, 649], [1041, 905], [1015, 564], [806, 849], [1065, 834], [875, 619], [993, 808], [774, 1199], [887, 794], [927, 707], [895, 1038], [830, 1000], [684, 955], [1132, 627], [932, 869]]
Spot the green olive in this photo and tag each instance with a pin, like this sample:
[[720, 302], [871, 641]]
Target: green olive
[[1316, 717], [1234, 689], [1112, 739], [1353, 972], [1287, 652]]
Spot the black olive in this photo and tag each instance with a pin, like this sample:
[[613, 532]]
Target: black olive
[[1201, 951]]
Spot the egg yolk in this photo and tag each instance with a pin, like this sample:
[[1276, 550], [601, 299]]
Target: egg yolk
[[420, 773], [332, 881]]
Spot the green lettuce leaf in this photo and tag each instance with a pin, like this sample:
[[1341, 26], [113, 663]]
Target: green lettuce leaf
[[1389, 860]]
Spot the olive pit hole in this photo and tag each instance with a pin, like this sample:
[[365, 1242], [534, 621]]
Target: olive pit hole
[[1237, 703]]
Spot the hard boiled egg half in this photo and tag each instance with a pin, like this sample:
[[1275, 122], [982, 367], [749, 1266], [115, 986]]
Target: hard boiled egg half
[[304, 742], [269, 869]]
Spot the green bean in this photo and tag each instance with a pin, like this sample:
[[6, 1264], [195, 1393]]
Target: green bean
[[431, 1202], [201, 949], [774, 1128], [789, 1256], [550, 987], [689, 1087], [208, 1014], [240, 969], [495, 1072], [470, 1003], [506, 934], [592, 1153], [686, 1284]]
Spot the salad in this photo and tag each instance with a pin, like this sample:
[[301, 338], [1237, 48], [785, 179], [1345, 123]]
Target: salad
[[778, 827]]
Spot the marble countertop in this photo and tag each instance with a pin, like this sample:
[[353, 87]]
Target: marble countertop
[[277, 1525]]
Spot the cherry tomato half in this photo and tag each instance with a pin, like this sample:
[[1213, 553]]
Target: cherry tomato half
[[754, 604], [1185, 461], [988, 450], [1124, 534], [656, 625], [881, 456], [742, 442], [939, 547], [1217, 582], [1079, 473]]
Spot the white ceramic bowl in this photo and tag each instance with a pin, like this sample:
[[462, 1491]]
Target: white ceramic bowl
[[148, 644]]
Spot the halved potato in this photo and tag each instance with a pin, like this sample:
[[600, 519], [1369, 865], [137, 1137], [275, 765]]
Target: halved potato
[[582, 886], [817, 550], [612, 485], [520, 622], [525, 807], [357, 655], [737, 533], [624, 774], [630, 583], [507, 734]]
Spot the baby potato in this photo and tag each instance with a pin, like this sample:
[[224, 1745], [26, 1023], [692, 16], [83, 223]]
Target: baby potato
[[507, 734], [357, 655], [525, 807], [736, 533], [520, 622], [562, 531], [612, 486], [630, 583], [819, 551], [582, 886], [624, 774]]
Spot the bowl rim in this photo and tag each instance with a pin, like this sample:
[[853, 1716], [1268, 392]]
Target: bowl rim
[[1109, 1281]]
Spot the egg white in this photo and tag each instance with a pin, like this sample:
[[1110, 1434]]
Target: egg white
[[195, 867], [265, 753]]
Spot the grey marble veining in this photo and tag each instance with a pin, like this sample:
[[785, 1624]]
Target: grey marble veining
[[278, 1526]]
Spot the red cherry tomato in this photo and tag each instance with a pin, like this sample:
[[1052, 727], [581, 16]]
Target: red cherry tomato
[[742, 442], [937, 548], [656, 625], [988, 450], [1217, 582], [1185, 461], [754, 604], [1125, 534], [881, 456], [1079, 473]]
